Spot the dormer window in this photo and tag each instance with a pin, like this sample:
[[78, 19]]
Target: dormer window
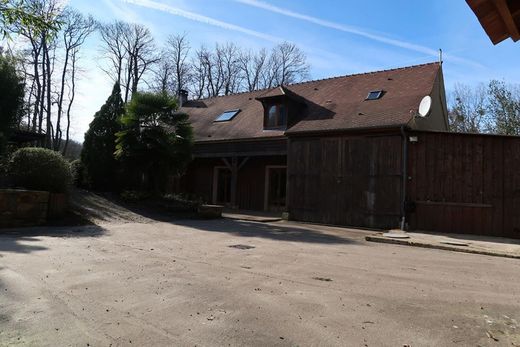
[[275, 116]]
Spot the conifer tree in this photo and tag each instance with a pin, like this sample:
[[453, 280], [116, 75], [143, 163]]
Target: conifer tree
[[97, 155]]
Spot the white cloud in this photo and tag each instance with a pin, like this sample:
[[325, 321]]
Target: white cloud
[[356, 31], [201, 18]]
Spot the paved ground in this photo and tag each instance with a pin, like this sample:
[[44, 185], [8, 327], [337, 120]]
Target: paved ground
[[496, 246], [188, 282]]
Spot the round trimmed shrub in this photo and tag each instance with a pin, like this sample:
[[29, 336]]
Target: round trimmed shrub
[[40, 169]]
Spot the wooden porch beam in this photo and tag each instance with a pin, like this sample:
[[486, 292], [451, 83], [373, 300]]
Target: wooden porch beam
[[234, 182], [234, 167], [226, 162], [507, 17], [244, 161]]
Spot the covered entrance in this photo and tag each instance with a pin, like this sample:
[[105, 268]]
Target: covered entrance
[[222, 186], [275, 188]]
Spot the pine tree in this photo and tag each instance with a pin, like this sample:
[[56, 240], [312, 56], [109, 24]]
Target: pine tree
[[97, 155]]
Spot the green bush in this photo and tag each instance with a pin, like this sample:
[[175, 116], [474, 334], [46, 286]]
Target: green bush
[[135, 195], [40, 169], [77, 170]]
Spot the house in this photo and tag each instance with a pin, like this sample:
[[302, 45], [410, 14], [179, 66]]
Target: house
[[243, 141], [354, 150]]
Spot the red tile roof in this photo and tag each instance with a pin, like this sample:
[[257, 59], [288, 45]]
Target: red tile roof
[[336, 103]]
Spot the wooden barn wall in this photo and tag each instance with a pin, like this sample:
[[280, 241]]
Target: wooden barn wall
[[251, 181], [464, 184], [198, 180], [346, 180]]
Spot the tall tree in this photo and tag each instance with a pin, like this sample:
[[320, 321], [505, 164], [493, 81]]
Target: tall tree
[[156, 141], [468, 111], [228, 56], [22, 14], [178, 49], [11, 98], [99, 146], [41, 61], [131, 52], [287, 64], [200, 73], [252, 65], [113, 49], [504, 108], [75, 30], [141, 52]]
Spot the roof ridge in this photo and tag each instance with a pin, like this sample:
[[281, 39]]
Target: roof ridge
[[363, 73], [325, 79]]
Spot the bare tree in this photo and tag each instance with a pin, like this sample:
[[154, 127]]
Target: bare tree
[[287, 64], [112, 36], [131, 52], [200, 73], [50, 70], [163, 74], [39, 63], [228, 54], [178, 49], [252, 65], [75, 30], [141, 55], [213, 66], [217, 72], [468, 111]]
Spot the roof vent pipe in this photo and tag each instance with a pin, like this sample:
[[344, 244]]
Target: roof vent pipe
[[183, 97]]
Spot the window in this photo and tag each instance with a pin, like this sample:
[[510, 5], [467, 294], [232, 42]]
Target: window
[[374, 95], [227, 116], [276, 116]]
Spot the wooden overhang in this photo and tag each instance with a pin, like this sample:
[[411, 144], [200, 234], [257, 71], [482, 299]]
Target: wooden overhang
[[241, 148], [25, 136], [499, 18]]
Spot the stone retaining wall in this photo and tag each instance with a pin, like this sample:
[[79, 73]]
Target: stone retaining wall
[[19, 208]]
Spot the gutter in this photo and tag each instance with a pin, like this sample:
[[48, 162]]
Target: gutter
[[404, 174]]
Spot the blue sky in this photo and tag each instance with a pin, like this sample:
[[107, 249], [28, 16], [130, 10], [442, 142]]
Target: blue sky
[[339, 37]]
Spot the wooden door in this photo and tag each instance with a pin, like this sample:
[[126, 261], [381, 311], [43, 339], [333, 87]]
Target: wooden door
[[276, 188], [222, 186]]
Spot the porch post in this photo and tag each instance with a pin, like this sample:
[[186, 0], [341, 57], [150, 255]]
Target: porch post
[[234, 182]]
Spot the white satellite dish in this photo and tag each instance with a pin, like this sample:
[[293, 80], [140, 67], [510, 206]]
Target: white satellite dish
[[425, 106]]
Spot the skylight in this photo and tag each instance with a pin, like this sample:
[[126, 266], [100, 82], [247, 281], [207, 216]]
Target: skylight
[[374, 95], [227, 116]]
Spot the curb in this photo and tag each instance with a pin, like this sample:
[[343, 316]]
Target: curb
[[259, 220], [382, 239]]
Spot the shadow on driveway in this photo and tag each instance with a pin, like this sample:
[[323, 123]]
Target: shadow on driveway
[[18, 240], [274, 231]]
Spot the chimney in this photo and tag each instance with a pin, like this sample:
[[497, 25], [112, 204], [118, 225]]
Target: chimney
[[183, 97]]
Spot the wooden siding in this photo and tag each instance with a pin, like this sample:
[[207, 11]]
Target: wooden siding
[[198, 180], [265, 147], [464, 184], [346, 180]]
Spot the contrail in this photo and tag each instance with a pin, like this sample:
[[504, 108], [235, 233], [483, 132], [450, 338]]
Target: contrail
[[352, 30], [202, 19]]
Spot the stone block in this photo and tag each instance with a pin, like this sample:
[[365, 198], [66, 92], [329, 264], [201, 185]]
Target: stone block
[[210, 211]]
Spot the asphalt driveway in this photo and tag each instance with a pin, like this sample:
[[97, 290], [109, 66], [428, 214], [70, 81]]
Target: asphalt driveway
[[226, 282]]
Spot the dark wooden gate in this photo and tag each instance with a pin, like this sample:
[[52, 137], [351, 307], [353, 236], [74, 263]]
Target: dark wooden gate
[[346, 180], [464, 183]]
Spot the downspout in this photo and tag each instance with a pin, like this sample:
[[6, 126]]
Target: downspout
[[404, 177]]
